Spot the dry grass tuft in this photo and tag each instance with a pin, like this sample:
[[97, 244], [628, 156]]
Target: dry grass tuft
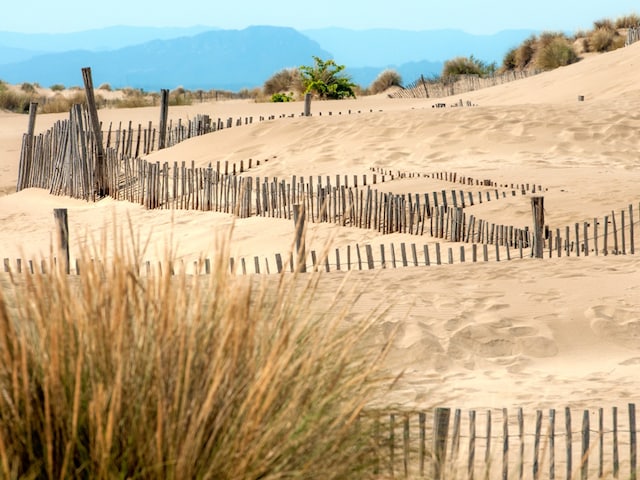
[[601, 40], [285, 80], [112, 374], [628, 21], [385, 80], [554, 51]]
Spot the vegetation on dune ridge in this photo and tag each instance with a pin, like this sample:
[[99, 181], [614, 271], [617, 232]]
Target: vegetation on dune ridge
[[60, 100], [386, 79], [111, 374], [327, 80], [551, 50]]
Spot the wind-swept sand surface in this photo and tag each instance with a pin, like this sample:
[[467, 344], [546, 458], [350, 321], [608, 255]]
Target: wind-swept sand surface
[[523, 333]]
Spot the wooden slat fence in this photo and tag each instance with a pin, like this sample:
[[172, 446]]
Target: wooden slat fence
[[69, 146], [346, 258], [459, 84], [63, 160], [633, 35], [507, 444]]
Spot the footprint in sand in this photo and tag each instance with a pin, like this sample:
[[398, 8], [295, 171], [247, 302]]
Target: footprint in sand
[[616, 323]]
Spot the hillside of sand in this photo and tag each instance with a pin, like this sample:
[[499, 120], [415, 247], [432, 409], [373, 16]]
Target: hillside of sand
[[522, 333]]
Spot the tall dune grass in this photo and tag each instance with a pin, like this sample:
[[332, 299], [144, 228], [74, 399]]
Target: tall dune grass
[[115, 374]]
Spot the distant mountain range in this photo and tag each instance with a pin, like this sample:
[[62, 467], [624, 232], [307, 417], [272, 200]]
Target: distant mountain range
[[206, 58]]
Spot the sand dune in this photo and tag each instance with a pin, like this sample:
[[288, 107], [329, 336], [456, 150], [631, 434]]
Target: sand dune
[[527, 333]]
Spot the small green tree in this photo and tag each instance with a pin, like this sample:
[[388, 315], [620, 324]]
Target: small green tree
[[325, 78]]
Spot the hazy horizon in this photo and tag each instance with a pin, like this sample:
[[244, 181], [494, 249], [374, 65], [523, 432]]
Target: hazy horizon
[[470, 16]]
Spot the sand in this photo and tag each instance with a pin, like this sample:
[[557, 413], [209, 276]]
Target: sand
[[525, 333]]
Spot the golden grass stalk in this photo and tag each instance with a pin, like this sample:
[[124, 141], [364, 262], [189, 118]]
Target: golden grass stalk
[[111, 374]]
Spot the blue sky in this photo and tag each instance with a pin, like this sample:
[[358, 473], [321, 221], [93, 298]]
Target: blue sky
[[473, 16]]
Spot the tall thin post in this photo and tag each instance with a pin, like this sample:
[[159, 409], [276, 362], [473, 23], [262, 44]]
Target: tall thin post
[[441, 430], [307, 104], [537, 204], [101, 178], [633, 447], [60, 215], [299, 221], [164, 114], [26, 158]]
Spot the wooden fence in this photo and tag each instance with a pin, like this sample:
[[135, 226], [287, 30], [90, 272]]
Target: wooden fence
[[633, 35], [62, 159], [458, 84], [356, 257], [498, 443]]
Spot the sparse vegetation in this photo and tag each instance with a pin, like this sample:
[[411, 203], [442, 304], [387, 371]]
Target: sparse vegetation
[[105, 86], [133, 98], [551, 50], [555, 51], [600, 40], [282, 97], [111, 374], [28, 87], [604, 23], [326, 79], [14, 101], [628, 21], [285, 80], [385, 80], [180, 96], [467, 66], [57, 87], [61, 103]]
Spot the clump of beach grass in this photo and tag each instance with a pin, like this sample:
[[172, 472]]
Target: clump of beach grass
[[116, 374], [386, 79]]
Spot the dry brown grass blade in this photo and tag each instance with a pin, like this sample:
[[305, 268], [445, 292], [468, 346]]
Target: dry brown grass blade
[[113, 373]]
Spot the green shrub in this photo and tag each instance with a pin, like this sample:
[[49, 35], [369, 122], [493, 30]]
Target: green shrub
[[57, 87], [115, 374], [282, 97], [326, 79], [558, 52], [105, 86], [386, 79]]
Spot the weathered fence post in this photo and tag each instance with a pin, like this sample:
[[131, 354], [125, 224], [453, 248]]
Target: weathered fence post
[[101, 177], [299, 221], [633, 447], [307, 104], [537, 204], [441, 430], [164, 114], [584, 464], [60, 215]]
